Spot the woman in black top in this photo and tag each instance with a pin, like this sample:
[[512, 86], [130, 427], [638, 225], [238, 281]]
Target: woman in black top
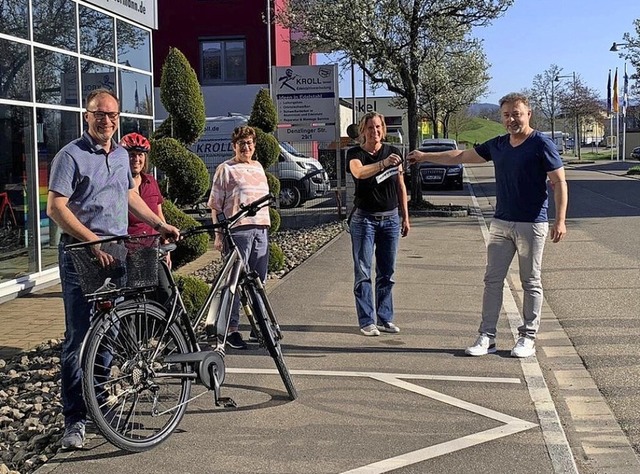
[[380, 217]]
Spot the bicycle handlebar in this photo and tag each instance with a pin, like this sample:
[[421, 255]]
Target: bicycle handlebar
[[245, 210]]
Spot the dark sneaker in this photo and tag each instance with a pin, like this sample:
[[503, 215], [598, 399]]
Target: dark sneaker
[[73, 436], [253, 336], [234, 340], [388, 327]]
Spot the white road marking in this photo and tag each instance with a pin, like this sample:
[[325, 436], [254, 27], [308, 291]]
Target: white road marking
[[511, 424]]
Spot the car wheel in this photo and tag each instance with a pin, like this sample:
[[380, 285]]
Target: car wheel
[[289, 195]]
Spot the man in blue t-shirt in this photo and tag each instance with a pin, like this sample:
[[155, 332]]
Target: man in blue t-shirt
[[523, 160], [91, 191]]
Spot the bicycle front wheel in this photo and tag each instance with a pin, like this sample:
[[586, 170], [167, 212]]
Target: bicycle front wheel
[[135, 399], [270, 335]]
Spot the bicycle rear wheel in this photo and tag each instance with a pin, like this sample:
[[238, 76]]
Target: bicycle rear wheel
[[271, 334], [135, 399]]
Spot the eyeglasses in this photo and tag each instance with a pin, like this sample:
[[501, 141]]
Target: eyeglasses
[[248, 143], [100, 115]]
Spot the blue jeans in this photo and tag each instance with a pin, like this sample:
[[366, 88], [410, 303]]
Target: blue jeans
[[77, 316], [505, 239], [253, 244], [369, 235]]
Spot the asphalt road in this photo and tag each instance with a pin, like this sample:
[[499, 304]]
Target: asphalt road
[[592, 280]]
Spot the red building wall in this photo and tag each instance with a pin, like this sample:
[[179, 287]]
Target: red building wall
[[183, 23]]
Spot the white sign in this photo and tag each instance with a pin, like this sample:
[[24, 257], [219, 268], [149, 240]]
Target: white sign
[[140, 11], [306, 95], [302, 133]]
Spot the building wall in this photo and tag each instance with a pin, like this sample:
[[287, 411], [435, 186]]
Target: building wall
[[182, 24]]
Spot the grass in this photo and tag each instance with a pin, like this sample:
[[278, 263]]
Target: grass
[[634, 170], [479, 130]]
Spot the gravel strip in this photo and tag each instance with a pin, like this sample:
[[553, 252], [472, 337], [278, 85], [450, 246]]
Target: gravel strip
[[31, 421]]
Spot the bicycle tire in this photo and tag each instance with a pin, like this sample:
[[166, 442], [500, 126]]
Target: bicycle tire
[[270, 336], [135, 400]]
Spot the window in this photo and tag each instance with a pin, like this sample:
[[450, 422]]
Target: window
[[223, 62]]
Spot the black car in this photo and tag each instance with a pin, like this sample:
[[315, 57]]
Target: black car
[[435, 175], [635, 154]]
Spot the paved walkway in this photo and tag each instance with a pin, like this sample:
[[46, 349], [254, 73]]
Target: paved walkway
[[407, 403]]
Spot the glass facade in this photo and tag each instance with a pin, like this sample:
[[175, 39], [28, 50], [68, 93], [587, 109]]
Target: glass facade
[[47, 68]]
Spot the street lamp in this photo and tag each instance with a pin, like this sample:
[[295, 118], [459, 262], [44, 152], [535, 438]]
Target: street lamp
[[615, 46], [576, 139]]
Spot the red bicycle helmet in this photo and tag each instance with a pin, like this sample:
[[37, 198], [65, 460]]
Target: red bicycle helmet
[[135, 142]]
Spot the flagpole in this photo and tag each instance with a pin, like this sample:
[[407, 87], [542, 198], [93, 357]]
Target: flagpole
[[611, 134], [624, 112]]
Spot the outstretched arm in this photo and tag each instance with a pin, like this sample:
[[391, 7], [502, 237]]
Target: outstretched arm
[[449, 157]]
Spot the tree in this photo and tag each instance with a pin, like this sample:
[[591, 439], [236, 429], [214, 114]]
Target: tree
[[631, 53], [452, 78], [264, 118], [388, 39], [544, 96], [186, 177]]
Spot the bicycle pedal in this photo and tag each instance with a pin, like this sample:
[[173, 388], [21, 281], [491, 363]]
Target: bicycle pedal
[[226, 402]]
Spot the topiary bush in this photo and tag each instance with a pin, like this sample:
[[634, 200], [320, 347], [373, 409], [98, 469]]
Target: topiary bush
[[189, 249], [273, 182], [194, 292], [276, 257], [276, 220], [186, 174], [182, 98], [264, 114], [267, 148]]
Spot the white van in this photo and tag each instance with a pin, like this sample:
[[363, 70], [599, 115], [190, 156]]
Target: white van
[[301, 178]]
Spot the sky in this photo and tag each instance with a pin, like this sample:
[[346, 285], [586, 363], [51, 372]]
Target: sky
[[534, 34]]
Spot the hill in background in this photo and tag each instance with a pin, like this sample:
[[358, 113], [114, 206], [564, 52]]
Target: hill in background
[[483, 109], [478, 130]]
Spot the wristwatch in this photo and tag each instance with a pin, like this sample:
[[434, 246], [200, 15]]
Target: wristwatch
[[158, 226]]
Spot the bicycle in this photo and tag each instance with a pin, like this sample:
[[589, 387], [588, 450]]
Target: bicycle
[[139, 358]]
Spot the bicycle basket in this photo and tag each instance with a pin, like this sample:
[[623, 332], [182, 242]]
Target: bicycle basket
[[135, 264]]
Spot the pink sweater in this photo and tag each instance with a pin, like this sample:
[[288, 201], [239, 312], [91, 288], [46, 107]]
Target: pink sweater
[[239, 183]]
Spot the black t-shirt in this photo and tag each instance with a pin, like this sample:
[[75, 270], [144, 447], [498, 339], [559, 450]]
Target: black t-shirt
[[378, 193]]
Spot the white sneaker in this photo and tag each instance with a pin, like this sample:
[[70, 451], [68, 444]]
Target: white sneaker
[[370, 330], [525, 347], [483, 345], [388, 327]]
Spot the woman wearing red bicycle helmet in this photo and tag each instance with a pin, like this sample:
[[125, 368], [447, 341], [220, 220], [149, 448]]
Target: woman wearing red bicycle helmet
[[147, 187]]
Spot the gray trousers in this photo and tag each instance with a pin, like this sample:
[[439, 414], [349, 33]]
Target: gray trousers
[[505, 240]]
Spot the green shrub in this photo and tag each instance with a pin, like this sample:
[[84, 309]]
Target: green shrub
[[189, 249], [186, 174], [267, 148], [182, 98], [276, 257], [194, 292], [276, 220], [633, 170], [264, 114], [273, 182]]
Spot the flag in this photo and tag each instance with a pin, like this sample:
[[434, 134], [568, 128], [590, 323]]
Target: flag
[[609, 94], [625, 91], [615, 93]]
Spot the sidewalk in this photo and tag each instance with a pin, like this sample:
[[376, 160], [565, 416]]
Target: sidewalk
[[407, 403]]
